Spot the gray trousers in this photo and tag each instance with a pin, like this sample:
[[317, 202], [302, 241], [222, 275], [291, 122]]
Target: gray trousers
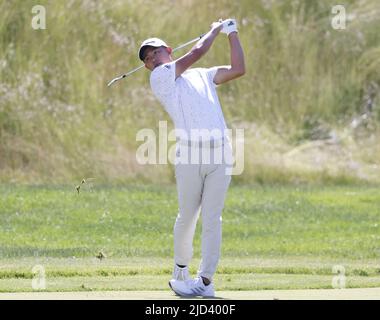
[[201, 186]]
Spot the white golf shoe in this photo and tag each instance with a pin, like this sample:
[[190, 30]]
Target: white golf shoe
[[192, 288], [181, 273]]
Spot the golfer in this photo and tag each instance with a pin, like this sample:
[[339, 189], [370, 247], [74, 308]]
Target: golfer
[[190, 98]]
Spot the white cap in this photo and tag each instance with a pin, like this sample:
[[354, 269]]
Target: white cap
[[151, 42]]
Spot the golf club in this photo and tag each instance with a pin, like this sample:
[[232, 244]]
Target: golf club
[[134, 70]]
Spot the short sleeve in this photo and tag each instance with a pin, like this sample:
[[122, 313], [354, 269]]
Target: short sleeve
[[162, 79], [211, 72]]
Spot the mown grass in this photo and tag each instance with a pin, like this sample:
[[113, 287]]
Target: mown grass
[[305, 82], [154, 282], [138, 221], [82, 268], [88, 274], [280, 231]]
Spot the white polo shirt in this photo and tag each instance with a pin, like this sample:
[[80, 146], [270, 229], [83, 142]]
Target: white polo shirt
[[191, 100]]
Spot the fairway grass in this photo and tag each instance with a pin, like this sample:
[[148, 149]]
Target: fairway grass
[[135, 274], [310, 294], [273, 237], [236, 282]]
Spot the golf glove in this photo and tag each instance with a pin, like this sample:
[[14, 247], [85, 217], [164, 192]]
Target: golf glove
[[229, 25]]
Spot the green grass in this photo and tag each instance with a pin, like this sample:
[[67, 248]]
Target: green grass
[[138, 221], [153, 282], [87, 274], [273, 237]]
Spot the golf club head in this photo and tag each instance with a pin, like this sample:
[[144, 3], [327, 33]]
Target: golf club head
[[114, 80]]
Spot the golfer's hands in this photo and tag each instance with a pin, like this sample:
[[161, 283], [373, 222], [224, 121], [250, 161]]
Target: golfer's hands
[[229, 25], [217, 26]]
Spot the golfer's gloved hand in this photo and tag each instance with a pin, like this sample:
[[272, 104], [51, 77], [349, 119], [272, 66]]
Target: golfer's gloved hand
[[229, 25]]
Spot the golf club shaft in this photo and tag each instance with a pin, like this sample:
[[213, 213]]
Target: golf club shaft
[[134, 70], [187, 43]]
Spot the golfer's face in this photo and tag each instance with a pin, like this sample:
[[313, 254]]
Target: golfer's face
[[155, 57]]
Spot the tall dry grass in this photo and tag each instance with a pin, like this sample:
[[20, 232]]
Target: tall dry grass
[[306, 85]]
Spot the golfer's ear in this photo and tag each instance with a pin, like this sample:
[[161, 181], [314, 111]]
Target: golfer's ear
[[169, 50]]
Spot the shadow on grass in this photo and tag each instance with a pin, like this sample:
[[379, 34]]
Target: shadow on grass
[[25, 251]]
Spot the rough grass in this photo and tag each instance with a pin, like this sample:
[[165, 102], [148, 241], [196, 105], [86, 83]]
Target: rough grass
[[305, 82]]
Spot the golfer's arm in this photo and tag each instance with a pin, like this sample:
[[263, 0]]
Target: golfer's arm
[[237, 67], [196, 52]]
